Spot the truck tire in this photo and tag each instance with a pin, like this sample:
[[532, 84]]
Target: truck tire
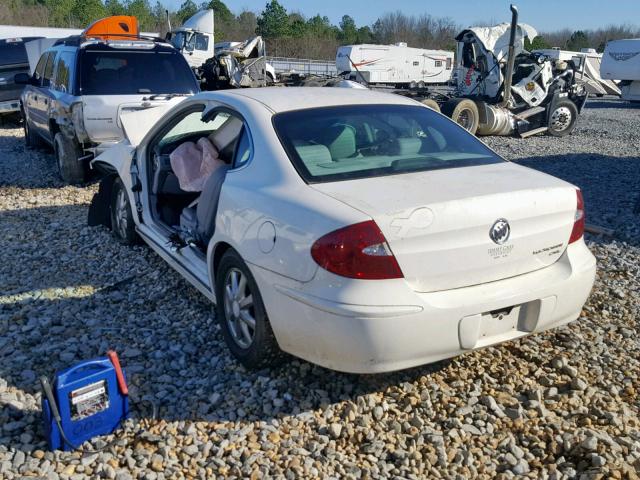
[[464, 112], [31, 139], [431, 103], [123, 225], [67, 152], [563, 118]]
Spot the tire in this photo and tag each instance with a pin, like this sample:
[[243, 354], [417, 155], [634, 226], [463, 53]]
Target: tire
[[122, 223], [431, 103], [67, 152], [246, 329], [270, 81], [563, 118], [464, 112], [31, 139]]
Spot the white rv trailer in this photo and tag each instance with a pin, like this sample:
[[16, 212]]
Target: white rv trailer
[[621, 61], [397, 64], [587, 63], [13, 31]]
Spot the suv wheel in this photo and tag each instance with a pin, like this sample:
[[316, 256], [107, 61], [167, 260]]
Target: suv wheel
[[67, 152], [242, 316], [31, 139], [122, 223]]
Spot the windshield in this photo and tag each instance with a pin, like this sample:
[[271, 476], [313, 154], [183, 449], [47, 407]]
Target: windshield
[[178, 40], [13, 53], [135, 72], [360, 141]]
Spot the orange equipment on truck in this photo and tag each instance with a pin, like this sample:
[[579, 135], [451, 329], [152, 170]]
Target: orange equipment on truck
[[113, 28]]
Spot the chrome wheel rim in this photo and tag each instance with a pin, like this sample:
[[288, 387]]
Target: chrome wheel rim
[[238, 308], [561, 119], [465, 119], [121, 213]]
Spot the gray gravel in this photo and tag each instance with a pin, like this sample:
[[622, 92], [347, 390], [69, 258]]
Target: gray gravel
[[563, 404]]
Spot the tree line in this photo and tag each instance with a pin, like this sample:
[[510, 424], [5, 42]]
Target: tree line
[[290, 34]]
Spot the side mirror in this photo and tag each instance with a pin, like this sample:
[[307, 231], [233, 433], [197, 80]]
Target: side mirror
[[22, 79]]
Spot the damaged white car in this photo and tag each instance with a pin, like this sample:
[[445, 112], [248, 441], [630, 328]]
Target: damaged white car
[[358, 230]]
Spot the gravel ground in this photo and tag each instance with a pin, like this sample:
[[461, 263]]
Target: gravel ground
[[562, 404]]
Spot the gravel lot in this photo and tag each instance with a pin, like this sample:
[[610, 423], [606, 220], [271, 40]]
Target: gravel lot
[[563, 404]]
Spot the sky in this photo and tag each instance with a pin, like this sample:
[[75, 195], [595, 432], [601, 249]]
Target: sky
[[544, 15]]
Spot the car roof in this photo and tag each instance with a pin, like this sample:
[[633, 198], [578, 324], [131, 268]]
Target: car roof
[[283, 99]]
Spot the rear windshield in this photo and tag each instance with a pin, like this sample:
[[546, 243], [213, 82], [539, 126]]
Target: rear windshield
[[123, 73], [360, 141], [12, 53]]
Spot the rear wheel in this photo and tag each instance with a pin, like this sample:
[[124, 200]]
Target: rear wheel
[[432, 104], [67, 152], [242, 315], [122, 223], [464, 112], [563, 118]]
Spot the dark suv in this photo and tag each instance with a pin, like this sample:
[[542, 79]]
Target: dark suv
[[80, 87], [13, 60]]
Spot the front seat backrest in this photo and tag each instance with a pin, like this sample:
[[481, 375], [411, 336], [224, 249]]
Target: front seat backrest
[[224, 138], [207, 208]]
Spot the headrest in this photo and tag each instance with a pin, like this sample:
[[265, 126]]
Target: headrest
[[314, 154], [341, 141], [226, 135], [409, 146]]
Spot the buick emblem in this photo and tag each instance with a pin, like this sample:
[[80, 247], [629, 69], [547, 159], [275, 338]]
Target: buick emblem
[[500, 231]]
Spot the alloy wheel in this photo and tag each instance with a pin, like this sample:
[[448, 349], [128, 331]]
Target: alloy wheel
[[238, 308]]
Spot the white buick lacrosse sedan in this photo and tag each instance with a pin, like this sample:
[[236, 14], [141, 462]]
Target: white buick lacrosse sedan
[[358, 230]]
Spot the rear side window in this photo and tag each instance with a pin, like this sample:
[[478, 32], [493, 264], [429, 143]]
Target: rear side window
[[362, 141], [130, 73], [63, 72], [13, 53]]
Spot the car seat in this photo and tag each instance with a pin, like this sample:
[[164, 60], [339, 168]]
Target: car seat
[[340, 139], [198, 220]]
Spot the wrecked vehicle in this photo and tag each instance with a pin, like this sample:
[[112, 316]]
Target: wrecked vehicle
[[220, 65], [355, 229], [502, 89], [82, 84]]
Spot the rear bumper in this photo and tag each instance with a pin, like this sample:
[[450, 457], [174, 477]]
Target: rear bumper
[[9, 106], [369, 327]]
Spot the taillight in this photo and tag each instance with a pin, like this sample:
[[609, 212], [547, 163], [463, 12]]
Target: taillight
[[578, 223], [357, 251]]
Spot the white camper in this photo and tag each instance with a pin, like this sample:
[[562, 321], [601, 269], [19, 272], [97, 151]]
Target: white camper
[[11, 31], [621, 61], [397, 65], [587, 63]]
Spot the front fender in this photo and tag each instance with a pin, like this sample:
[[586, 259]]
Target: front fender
[[114, 162]]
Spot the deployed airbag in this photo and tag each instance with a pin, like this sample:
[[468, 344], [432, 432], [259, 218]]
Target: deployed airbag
[[193, 163]]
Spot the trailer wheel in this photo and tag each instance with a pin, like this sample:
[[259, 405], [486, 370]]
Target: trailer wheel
[[562, 119], [464, 112], [432, 104]]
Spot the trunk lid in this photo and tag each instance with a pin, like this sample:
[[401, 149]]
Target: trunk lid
[[438, 222]]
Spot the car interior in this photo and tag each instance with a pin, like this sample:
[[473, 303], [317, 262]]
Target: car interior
[[188, 166]]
